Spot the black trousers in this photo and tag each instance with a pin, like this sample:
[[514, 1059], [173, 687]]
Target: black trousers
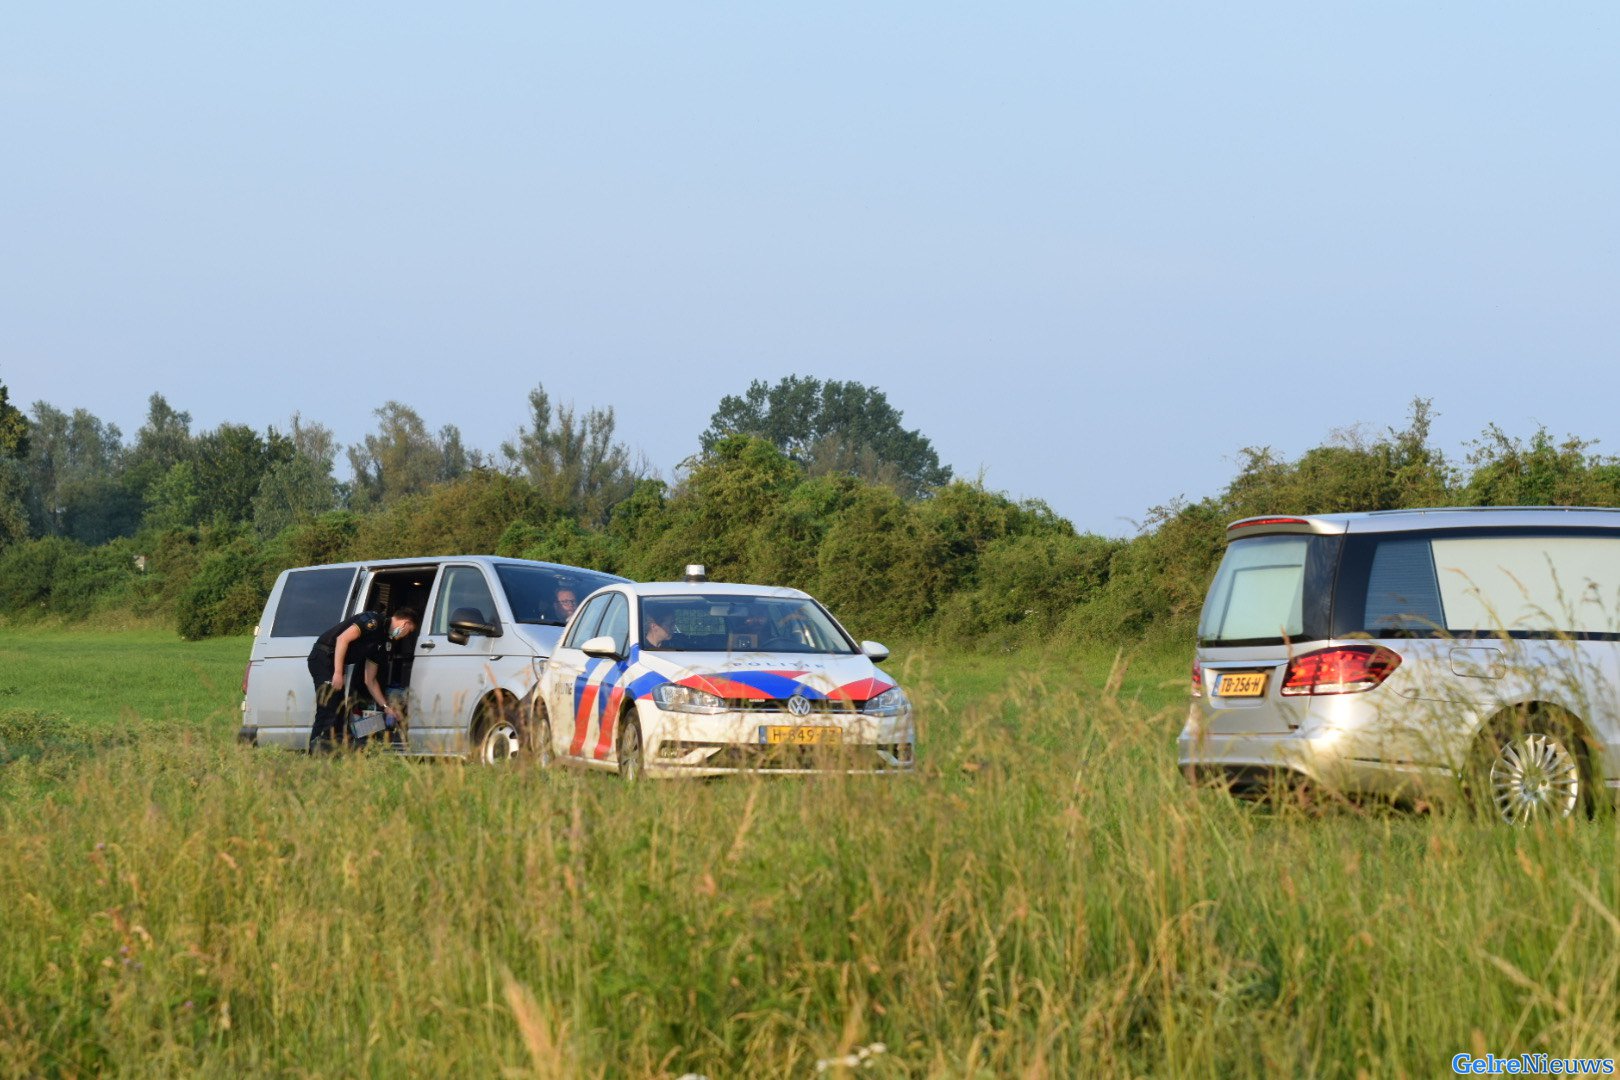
[[331, 725]]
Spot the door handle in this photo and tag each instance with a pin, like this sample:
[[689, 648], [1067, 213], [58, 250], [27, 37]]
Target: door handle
[[427, 645]]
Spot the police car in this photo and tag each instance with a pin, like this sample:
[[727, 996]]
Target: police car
[[695, 678]]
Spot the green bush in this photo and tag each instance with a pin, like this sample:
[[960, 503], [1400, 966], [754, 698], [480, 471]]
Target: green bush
[[466, 516], [29, 572], [227, 594], [1026, 583]]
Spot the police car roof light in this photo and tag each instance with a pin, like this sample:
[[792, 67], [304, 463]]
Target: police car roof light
[[697, 572]]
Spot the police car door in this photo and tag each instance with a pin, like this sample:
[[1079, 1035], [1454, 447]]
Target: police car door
[[450, 675], [564, 677]]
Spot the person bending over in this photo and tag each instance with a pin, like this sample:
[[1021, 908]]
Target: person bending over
[[360, 639]]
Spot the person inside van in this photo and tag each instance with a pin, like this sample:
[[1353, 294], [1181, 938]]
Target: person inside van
[[360, 639], [567, 601]]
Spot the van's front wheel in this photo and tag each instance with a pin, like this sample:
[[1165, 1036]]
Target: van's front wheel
[[1528, 768], [500, 735]]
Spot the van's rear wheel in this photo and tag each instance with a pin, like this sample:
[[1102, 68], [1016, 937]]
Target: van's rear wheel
[[500, 736], [1528, 768], [632, 759]]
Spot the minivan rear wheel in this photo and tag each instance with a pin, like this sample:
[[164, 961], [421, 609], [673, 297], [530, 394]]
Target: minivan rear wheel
[[1528, 768]]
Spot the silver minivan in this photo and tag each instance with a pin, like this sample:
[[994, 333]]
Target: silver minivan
[[1403, 652], [487, 626]]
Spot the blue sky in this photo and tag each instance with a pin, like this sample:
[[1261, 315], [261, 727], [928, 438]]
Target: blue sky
[[1089, 249]]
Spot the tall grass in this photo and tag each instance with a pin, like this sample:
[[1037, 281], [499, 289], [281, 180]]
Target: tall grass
[[1046, 898]]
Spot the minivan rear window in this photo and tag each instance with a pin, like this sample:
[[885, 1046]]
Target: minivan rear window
[[312, 601], [1271, 589]]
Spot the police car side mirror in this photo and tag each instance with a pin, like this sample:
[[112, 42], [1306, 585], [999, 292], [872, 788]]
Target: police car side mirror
[[874, 651], [604, 647]]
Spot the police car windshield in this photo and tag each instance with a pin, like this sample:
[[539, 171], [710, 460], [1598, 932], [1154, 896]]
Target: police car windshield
[[733, 623], [547, 595]]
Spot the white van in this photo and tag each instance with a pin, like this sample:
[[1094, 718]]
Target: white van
[[1400, 652], [487, 626]]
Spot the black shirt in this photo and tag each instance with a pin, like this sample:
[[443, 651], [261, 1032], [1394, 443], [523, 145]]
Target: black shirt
[[371, 645]]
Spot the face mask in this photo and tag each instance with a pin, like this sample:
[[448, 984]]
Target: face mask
[[396, 632]]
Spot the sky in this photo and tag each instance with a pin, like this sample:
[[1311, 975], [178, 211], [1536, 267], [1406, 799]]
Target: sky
[[1091, 250]]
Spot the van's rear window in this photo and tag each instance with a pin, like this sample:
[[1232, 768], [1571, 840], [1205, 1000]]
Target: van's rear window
[[1271, 589], [312, 601]]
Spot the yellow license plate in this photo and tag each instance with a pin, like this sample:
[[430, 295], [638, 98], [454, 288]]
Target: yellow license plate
[[1241, 684], [803, 736]]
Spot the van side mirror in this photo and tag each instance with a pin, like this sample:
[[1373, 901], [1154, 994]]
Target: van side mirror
[[465, 622], [875, 651], [603, 646]]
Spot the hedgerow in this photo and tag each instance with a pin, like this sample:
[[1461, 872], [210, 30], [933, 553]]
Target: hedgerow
[[962, 563]]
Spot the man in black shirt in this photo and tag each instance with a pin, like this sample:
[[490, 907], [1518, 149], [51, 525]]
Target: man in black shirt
[[362, 640]]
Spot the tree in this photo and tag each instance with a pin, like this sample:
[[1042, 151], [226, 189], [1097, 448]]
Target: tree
[[301, 488], [161, 443], [573, 460], [230, 462], [74, 469], [13, 477], [173, 499], [13, 427], [403, 458], [832, 426]]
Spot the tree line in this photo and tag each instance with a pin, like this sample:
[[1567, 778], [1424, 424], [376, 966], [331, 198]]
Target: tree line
[[786, 487]]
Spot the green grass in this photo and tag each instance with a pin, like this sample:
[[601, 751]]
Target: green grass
[[1046, 898], [105, 680]]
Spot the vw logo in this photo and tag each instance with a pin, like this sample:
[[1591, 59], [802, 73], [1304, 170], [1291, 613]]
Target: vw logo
[[799, 705]]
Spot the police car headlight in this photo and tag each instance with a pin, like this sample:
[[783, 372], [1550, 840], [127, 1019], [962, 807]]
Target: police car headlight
[[892, 702], [673, 697]]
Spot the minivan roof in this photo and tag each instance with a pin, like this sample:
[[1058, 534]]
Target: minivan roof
[[1445, 517], [485, 560]]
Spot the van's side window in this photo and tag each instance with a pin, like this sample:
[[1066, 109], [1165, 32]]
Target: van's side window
[[462, 587], [1402, 591], [1475, 583], [1528, 584], [312, 601], [589, 618]]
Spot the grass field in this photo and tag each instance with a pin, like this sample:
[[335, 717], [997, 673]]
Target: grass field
[[1046, 898]]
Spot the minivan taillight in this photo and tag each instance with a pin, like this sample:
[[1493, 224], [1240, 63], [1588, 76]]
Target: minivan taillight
[[1342, 669], [1197, 679]]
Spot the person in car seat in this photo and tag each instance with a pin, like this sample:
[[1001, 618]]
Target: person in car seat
[[661, 629], [360, 639]]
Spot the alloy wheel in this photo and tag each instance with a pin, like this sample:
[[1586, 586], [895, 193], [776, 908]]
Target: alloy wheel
[[630, 751], [1534, 777]]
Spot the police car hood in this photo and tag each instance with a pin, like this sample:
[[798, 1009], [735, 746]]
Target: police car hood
[[772, 676]]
